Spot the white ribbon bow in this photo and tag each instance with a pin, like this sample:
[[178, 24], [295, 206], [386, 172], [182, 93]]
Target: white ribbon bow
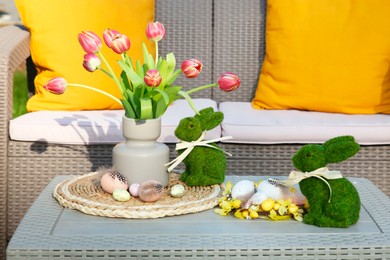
[[321, 173], [190, 145]]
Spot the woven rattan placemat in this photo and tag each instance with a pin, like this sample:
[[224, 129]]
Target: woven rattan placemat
[[84, 193]]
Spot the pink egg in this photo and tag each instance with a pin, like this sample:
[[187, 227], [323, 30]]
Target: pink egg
[[150, 191], [113, 180], [134, 189]]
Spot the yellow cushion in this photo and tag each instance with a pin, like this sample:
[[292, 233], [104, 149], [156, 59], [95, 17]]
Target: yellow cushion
[[55, 50], [326, 55]]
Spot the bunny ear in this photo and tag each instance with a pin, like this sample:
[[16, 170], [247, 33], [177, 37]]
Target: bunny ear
[[340, 148], [208, 118]]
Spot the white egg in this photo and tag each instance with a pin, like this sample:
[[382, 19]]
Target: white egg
[[243, 190], [272, 191]]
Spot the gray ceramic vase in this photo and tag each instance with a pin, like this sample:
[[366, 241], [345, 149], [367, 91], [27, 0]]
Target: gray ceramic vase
[[141, 158]]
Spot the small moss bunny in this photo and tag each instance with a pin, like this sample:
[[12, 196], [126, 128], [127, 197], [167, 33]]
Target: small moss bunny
[[341, 207], [203, 165]]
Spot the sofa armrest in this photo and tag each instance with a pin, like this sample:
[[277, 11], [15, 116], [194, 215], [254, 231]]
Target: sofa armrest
[[14, 50]]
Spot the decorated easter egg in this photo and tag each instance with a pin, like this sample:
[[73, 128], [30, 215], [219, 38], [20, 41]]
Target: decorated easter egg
[[113, 180], [150, 191], [243, 190]]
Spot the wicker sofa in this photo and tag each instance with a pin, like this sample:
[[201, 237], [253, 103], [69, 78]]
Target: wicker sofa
[[224, 40]]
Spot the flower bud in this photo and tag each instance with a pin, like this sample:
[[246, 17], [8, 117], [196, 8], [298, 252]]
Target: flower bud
[[120, 43], [155, 31], [152, 78], [91, 62], [56, 85], [108, 36], [191, 68], [90, 42], [228, 81]]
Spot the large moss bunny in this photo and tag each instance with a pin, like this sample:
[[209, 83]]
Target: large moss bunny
[[340, 206], [203, 165]]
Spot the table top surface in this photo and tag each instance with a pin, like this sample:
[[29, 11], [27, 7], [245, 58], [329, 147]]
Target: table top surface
[[48, 228]]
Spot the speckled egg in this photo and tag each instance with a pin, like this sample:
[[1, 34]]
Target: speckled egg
[[113, 180], [177, 191], [151, 191]]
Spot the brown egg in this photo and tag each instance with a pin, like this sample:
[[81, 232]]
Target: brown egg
[[150, 191], [113, 180]]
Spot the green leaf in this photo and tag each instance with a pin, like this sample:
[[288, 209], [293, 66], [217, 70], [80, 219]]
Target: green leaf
[[160, 108], [128, 60], [164, 95], [148, 58], [171, 60], [146, 108], [173, 77], [172, 92], [145, 68], [131, 74], [128, 109], [140, 69], [125, 81], [189, 100], [134, 102]]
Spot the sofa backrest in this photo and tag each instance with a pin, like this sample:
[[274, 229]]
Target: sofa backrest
[[238, 44], [189, 34], [227, 35]]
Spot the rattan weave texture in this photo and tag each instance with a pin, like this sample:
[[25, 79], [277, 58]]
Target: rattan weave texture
[[85, 194], [14, 49]]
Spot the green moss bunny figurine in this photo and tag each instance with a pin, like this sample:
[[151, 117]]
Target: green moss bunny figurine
[[336, 205], [204, 165]]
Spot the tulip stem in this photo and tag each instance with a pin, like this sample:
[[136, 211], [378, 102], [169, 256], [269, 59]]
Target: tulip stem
[[97, 90], [105, 71], [112, 73], [201, 87], [156, 42]]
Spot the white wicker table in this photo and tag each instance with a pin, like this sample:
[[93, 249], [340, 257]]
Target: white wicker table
[[48, 231]]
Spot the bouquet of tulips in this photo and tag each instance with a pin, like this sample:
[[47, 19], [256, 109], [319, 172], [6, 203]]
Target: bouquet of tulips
[[147, 89]]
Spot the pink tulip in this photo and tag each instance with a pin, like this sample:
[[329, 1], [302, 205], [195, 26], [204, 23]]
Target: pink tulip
[[108, 36], [91, 62], [120, 43], [155, 31], [56, 85], [152, 78], [191, 68], [228, 81], [90, 42]]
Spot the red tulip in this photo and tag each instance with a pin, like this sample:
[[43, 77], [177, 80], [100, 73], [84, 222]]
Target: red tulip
[[91, 62], [90, 42], [228, 81], [120, 43], [108, 36], [191, 68], [155, 31], [152, 78], [56, 85]]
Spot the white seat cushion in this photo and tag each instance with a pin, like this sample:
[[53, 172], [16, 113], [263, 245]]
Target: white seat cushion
[[248, 125], [97, 126]]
